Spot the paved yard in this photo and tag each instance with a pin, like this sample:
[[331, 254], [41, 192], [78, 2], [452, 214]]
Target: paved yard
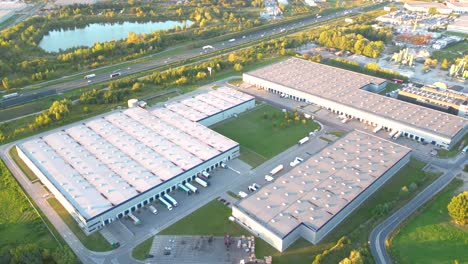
[[195, 249]]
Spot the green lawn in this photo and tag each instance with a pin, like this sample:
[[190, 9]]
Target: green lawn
[[262, 137], [430, 237], [24, 168], [452, 52], [95, 241], [391, 87], [141, 251], [21, 224]]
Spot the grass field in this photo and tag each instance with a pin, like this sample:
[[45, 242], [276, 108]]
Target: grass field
[[21, 224], [452, 52], [24, 168], [430, 237], [95, 241], [443, 153], [141, 251], [357, 226], [262, 138]]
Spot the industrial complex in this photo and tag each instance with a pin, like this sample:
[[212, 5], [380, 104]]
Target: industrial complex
[[354, 96], [106, 167], [314, 197]]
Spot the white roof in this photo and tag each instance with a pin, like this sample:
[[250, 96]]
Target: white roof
[[320, 187], [105, 161]]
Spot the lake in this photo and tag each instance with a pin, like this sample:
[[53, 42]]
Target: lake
[[71, 38]]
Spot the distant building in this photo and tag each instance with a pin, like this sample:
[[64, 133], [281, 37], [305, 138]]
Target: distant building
[[440, 99], [425, 6], [442, 43], [458, 7], [460, 25]]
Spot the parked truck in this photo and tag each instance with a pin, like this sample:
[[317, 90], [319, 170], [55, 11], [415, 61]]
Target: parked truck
[[203, 177], [171, 200], [153, 209], [184, 189], [202, 182], [392, 133], [377, 129], [303, 141], [8, 96], [191, 187], [168, 205], [397, 135], [276, 169], [206, 174], [136, 221]]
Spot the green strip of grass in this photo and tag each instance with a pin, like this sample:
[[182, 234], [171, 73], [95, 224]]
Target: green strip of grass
[[141, 251], [336, 133], [94, 242], [23, 167], [429, 236], [233, 195]]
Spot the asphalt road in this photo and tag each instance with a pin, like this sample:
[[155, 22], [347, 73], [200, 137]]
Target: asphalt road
[[148, 65], [381, 233]]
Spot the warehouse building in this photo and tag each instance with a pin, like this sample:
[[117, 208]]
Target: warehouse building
[[424, 7], [354, 96], [460, 25], [104, 168], [314, 197], [440, 99]]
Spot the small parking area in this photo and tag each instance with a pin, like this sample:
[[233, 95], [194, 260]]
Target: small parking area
[[195, 249]]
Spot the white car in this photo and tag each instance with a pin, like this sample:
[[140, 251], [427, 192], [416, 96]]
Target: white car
[[268, 178], [242, 194]]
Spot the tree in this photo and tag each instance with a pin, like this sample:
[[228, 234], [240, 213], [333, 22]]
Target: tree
[[238, 67], [458, 208], [445, 64], [6, 83], [354, 258], [432, 11]]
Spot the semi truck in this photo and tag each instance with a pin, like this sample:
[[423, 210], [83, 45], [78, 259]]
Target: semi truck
[[168, 205], [89, 76], [206, 174], [276, 169], [184, 189], [397, 135], [171, 200], [392, 133], [136, 221], [377, 129], [203, 177], [303, 141], [115, 74], [202, 182], [153, 209], [191, 187], [7, 96]]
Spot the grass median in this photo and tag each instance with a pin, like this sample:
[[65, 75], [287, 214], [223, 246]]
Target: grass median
[[20, 163], [94, 242]]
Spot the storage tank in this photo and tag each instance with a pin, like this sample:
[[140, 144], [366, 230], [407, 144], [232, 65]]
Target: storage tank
[[132, 103]]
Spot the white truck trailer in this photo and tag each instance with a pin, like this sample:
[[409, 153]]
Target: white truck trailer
[[184, 189], [206, 174], [191, 187], [303, 141], [153, 209], [393, 133], [168, 205], [377, 129], [397, 135], [136, 221], [171, 200], [276, 169], [201, 182]]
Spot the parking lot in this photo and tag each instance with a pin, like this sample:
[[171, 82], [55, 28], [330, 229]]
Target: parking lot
[[195, 249]]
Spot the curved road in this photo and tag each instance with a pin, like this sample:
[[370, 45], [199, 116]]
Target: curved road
[[381, 233]]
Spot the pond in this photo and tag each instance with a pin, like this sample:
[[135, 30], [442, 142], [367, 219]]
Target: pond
[[72, 38]]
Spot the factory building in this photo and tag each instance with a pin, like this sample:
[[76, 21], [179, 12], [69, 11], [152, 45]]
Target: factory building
[[424, 7], [460, 25], [354, 96], [440, 99], [313, 198], [106, 167]]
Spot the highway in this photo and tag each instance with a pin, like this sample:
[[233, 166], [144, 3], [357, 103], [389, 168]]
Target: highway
[[155, 63], [381, 233]]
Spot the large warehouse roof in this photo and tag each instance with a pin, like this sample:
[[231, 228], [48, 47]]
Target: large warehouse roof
[[315, 191], [344, 87], [108, 160], [208, 104]]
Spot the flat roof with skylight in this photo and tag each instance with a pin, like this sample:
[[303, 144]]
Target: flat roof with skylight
[[319, 188]]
